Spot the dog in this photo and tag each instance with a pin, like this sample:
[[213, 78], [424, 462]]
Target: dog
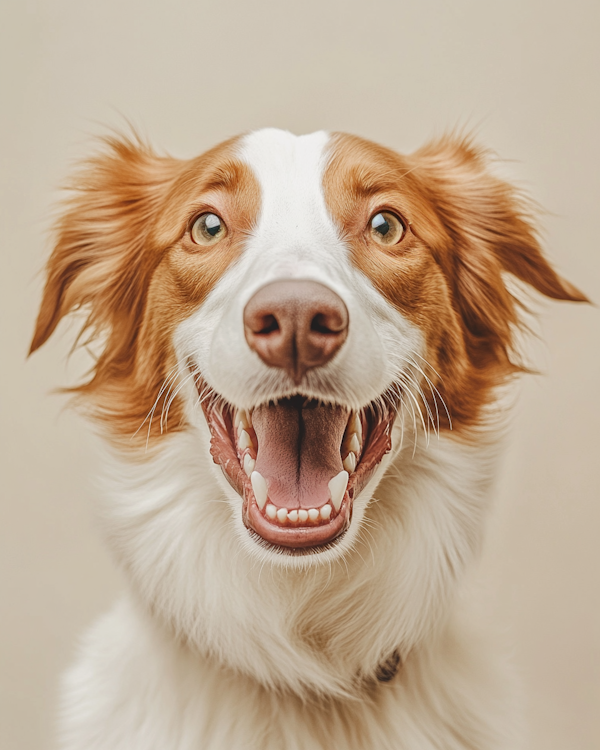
[[303, 344]]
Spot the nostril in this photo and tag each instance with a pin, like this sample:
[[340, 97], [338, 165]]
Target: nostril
[[268, 324], [319, 324], [327, 323]]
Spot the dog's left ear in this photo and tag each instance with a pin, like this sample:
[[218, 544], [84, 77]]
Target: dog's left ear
[[489, 231]]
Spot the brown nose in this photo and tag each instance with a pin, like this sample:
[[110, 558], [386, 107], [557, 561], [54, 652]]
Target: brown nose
[[295, 325]]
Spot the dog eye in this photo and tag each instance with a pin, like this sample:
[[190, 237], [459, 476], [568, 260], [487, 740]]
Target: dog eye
[[386, 228], [208, 229]]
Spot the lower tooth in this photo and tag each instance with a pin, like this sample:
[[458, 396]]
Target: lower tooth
[[326, 511], [271, 511], [259, 486], [313, 514], [303, 515], [293, 516], [282, 515], [337, 489]]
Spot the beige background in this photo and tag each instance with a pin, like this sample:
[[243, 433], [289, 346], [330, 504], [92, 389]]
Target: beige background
[[523, 73]]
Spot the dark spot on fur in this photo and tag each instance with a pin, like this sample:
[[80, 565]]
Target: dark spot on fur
[[388, 669]]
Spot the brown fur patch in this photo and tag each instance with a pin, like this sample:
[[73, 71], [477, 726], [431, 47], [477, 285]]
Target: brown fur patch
[[123, 253], [465, 228]]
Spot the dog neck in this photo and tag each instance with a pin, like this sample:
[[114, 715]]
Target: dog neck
[[316, 626]]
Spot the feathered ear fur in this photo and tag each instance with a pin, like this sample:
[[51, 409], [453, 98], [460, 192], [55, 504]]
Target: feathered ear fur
[[490, 231], [103, 262], [102, 259]]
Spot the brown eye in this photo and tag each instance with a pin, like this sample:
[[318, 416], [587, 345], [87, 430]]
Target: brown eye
[[386, 228], [208, 229]]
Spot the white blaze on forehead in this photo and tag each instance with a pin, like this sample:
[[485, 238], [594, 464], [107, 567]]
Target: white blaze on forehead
[[283, 160], [294, 227]]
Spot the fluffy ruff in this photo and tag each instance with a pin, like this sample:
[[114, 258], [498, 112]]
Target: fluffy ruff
[[251, 655]]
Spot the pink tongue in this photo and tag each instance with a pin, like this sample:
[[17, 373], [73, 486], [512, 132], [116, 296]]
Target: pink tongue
[[299, 450]]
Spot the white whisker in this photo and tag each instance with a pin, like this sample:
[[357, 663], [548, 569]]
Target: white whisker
[[167, 404], [172, 373]]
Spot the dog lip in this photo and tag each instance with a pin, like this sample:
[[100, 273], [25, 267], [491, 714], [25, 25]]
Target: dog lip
[[299, 537]]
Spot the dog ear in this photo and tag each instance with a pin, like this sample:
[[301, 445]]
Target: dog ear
[[491, 231], [102, 259]]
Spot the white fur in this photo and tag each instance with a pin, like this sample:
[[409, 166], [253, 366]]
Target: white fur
[[221, 644], [244, 671]]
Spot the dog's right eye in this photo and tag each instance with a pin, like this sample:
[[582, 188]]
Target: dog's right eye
[[208, 229]]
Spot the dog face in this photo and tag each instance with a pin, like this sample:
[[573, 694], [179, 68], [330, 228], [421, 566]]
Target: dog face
[[312, 294]]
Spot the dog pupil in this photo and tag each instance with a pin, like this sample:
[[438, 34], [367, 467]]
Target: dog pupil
[[212, 224], [380, 225]]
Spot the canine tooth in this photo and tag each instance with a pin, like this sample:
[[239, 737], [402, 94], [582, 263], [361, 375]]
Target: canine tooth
[[326, 511], [245, 440], [350, 463], [337, 488], [354, 445], [282, 514], [303, 515], [313, 514], [271, 511], [242, 419], [293, 516], [259, 485], [249, 464]]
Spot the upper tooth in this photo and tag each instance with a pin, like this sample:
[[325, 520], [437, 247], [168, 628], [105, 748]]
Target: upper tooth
[[242, 419], [259, 485], [350, 463], [337, 488], [356, 426], [245, 440], [354, 445], [249, 464]]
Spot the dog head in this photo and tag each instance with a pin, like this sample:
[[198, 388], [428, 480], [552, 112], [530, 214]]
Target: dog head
[[309, 294]]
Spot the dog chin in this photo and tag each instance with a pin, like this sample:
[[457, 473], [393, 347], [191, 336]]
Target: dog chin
[[299, 465]]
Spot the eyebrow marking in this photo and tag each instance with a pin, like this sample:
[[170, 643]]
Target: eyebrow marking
[[226, 177]]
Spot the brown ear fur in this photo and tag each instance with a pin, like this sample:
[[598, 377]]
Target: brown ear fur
[[491, 230], [101, 259]]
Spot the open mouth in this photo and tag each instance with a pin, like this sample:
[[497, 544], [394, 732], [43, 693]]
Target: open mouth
[[297, 464]]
